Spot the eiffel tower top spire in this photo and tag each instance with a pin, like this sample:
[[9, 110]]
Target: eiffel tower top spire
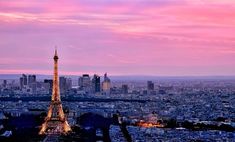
[[56, 55]]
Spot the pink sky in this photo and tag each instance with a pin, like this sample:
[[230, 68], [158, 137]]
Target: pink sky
[[121, 37]]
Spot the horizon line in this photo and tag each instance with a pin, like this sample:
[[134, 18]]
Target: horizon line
[[123, 75]]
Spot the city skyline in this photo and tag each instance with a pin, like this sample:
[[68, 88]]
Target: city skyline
[[160, 38]]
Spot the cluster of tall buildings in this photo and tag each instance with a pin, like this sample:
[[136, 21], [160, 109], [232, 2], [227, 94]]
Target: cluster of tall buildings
[[29, 83], [83, 85], [86, 83], [94, 85]]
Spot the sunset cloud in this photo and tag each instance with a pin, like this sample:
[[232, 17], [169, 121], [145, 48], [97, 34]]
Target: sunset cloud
[[119, 36]]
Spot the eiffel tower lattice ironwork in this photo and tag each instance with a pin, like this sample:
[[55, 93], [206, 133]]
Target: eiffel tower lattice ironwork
[[55, 122]]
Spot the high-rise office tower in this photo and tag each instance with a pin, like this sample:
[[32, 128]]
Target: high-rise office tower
[[31, 79], [32, 83], [85, 82], [96, 84], [23, 81], [62, 82], [150, 86], [50, 82], [80, 80], [106, 84], [65, 84], [68, 84], [4, 84], [124, 89]]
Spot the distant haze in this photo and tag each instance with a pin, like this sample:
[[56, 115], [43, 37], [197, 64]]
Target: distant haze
[[127, 78]]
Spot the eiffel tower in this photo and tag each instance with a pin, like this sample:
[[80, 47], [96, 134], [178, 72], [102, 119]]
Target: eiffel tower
[[55, 122]]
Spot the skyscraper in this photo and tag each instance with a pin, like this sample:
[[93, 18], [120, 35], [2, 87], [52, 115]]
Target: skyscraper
[[150, 86], [96, 84], [124, 89], [62, 82], [50, 82], [23, 81], [32, 83], [85, 82], [68, 84], [4, 83], [31, 79], [106, 84], [65, 84], [55, 122]]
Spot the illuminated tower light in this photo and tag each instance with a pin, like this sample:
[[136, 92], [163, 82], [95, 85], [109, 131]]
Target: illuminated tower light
[[55, 122]]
